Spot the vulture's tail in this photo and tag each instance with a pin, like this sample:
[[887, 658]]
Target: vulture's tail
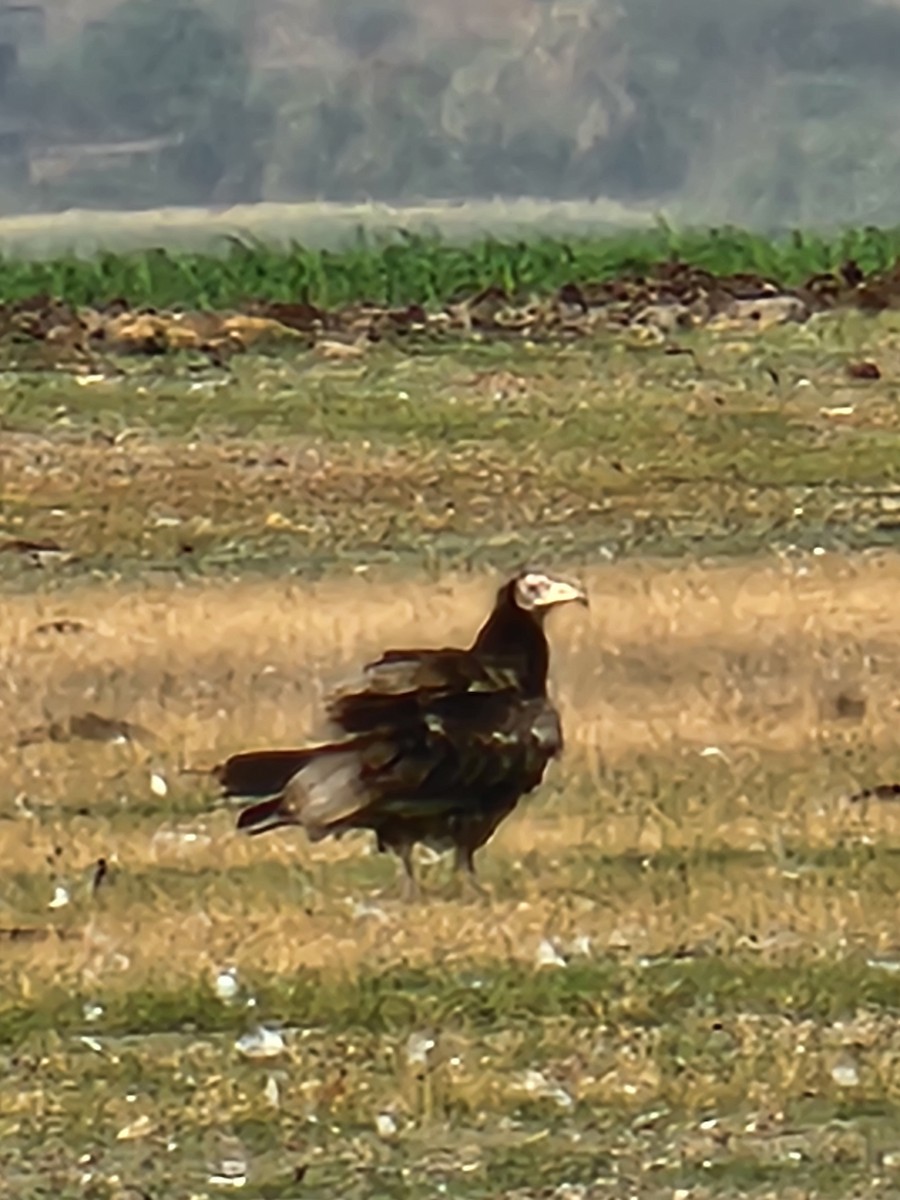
[[321, 787], [260, 772], [267, 815]]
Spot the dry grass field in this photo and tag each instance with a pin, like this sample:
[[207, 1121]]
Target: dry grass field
[[685, 982]]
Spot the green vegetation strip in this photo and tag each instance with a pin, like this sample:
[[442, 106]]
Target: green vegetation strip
[[479, 999], [426, 270]]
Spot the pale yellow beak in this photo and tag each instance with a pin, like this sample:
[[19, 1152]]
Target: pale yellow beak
[[558, 591]]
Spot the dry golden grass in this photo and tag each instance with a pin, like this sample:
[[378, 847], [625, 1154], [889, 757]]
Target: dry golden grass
[[786, 668], [754, 653]]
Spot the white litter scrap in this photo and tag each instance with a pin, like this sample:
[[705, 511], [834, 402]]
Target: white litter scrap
[[548, 956], [179, 841], [845, 1073], [713, 752], [232, 1173], [226, 985], [60, 897], [385, 1125], [272, 1092], [228, 1166], [366, 909], [138, 1128], [891, 965], [418, 1047], [261, 1043], [536, 1084], [158, 785]]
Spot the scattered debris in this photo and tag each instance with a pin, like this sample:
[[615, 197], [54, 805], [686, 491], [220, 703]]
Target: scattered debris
[[845, 1072], [863, 370], [880, 791], [548, 956], [418, 1047], [230, 1174], [228, 1164], [89, 727], [180, 840], [138, 1128], [539, 1087], [272, 1092], [158, 785], [261, 1043], [890, 965], [386, 1126], [43, 553], [368, 909], [32, 933], [843, 705], [62, 625], [666, 297], [714, 752], [60, 897], [581, 947], [226, 985]]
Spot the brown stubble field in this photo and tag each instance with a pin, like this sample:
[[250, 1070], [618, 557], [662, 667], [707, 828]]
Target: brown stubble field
[[686, 979]]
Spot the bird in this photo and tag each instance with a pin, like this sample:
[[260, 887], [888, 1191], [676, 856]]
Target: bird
[[431, 746]]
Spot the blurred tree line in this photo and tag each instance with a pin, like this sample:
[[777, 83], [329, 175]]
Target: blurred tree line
[[775, 112]]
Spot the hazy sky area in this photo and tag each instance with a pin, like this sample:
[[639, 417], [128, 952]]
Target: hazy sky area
[[772, 114]]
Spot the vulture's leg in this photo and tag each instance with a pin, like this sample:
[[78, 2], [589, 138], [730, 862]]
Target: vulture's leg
[[465, 862], [411, 890]]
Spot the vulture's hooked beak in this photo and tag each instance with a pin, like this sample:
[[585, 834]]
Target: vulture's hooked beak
[[560, 591]]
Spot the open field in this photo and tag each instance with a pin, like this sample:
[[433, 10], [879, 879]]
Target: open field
[[687, 979], [722, 921]]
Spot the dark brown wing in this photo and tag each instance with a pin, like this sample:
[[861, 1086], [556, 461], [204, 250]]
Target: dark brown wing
[[396, 688], [500, 742], [463, 754]]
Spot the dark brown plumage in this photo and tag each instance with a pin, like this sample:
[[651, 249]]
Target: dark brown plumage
[[431, 746]]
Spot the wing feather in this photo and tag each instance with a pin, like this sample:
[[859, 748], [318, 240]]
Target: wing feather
[[395, 689]]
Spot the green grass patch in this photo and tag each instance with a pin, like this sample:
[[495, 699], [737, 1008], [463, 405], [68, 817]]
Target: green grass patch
[[490, 454], [666, 994], [406, 269]]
